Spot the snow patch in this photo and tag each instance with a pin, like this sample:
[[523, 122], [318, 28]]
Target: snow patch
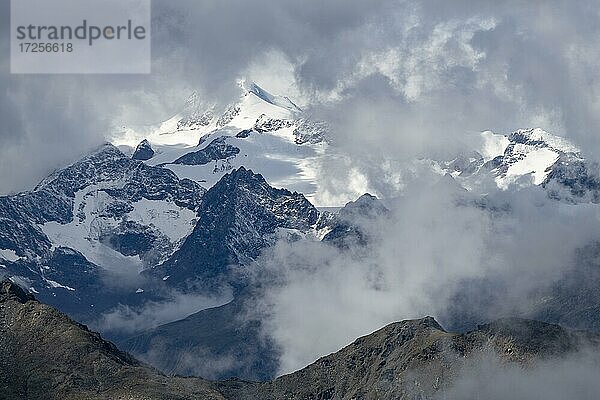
[[9, 255], [56, 285], [275, 155], [83, 233], [173, 221], [536, 163]]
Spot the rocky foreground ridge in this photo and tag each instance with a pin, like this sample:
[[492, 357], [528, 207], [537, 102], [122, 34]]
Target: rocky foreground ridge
[[46, 355]]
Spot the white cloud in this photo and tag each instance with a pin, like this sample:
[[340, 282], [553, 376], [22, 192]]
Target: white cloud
[[315, 298], [486, 377]]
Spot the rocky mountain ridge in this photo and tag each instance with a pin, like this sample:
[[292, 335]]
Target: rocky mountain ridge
[[45, 355], [106, 210], [530, 157]]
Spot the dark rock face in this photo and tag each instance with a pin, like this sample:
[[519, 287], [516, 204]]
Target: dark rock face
[[244, 134], [10, 291], [133, 239], [21, 214], [143, 151], [45, 355], [62, 276], [265, 124], [580, 178], [348, 226], [217, 343], [195, 120], [216, 150], [153, 183], [107, 164], [238, 218]]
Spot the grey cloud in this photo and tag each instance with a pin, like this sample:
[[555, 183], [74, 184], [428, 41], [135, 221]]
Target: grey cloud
[[198, 361], [573, 377], [50, 120], [315, 298], [458, 69]]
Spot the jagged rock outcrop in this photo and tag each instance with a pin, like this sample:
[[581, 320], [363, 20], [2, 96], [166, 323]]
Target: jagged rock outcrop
[[216, 150], [350, 226], [265, 124], [104, 199], [239, 217], [143, 151], [230, 113]]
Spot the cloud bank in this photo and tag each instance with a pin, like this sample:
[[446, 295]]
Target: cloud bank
[[442, 252], [574, 377]]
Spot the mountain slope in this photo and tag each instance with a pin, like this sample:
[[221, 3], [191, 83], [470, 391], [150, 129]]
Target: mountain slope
[[45, 355], [214, 343], [239, 217], [260, 131], [226, 334], [414, 359], [102, 217], [529, 157], [348, 227], [574, 300]]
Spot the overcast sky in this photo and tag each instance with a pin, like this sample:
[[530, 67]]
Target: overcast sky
[[399, 77]]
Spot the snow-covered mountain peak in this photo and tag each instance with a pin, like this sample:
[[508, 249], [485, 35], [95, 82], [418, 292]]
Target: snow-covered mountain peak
[[239, 216], [97, 165], [528, 157], [280, 101], [538, 137], [262, 131], [199, 118], [532, 153]]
